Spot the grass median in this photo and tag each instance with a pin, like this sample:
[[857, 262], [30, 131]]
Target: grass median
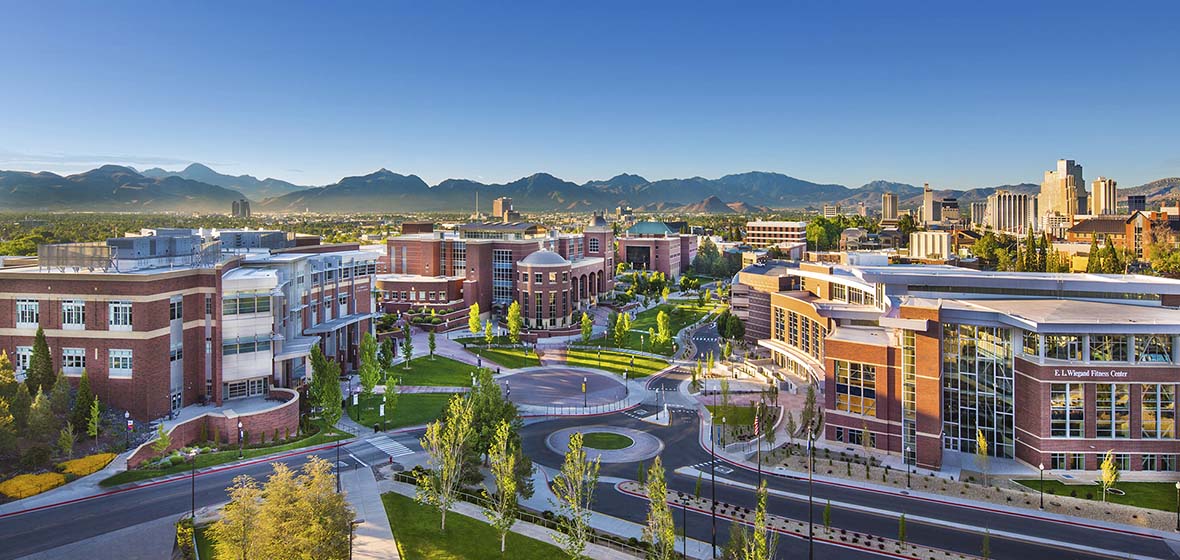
[[511, 358], [412, 409], [606, 440], [680, 315], [416, 528], [616, 362], [439, 372], [1153, 495]]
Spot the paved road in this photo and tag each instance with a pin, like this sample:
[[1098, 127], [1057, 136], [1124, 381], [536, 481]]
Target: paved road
[[47, 529], [707, 340]]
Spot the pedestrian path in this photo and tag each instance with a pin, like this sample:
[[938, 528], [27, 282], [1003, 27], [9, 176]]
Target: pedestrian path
[[373, 537], [389, 446]]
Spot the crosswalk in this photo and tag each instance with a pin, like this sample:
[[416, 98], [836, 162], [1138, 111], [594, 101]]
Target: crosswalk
[[390, 446]]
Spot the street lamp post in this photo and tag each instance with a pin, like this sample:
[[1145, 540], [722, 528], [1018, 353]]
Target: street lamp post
[[241, 444], [584, 395], [713, 471], [1041, 468], [193, 492], [908, 466], [810, 508], [130, 424], [1178, 506]]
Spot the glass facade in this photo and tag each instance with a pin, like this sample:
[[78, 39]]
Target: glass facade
[[977, 387], [1113, 410], [1158, 408], [799, 332], [909, 409], [856, 388], [502, 287], [1067, 410]]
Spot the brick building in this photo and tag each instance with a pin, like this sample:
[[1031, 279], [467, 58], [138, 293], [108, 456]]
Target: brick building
[[169, 318], [657, 247]]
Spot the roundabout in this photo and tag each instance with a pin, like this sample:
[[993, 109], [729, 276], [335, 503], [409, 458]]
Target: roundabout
[[609, 444], [562, 386]]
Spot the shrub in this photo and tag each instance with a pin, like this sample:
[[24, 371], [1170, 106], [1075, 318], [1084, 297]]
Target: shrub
[[1073, 493], [86, 465], [175, 460], [36, 457], [26, 485]]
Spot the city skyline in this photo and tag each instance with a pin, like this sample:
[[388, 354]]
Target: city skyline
[[960, 97]]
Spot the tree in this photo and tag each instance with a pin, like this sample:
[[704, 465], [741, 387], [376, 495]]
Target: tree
[[901, 529], [574, 489], [431, 344], [370, 366], [20, 406], [325, 386], [8, 380], [828, 515], [727, 350], [665, 293], [1110, 473], [660, 530], [92, 421], [80, 415], [445, 443], [791, 427], [42, 422], [663, 327], [7, 429], [233, 534], [59, 395], [488, 335], [981, 457], [388, 354], [65, 440], [389, 398], [620, 268], [407, 345], [163, 440], [763, 540], [514, 322], [737, 328], [709, 363], [501, 509], [473, 318], [587, 327], [39, 375], [622, 326], [1094, 259], [986, 549], [490, 408]]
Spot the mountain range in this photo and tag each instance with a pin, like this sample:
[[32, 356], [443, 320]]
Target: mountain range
[[198, 188]]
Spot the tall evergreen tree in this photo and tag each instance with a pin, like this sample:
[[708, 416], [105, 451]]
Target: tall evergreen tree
[[1094, 260], [20, 404], [8, 380], [40, 375], [42, 422], [59, 395], [80, 415]]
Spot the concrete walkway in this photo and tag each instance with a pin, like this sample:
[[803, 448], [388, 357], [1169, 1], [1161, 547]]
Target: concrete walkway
[[81, 488], [373, 538], [146, 541]]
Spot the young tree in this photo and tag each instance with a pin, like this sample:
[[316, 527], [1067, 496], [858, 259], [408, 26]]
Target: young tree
[[1110, 473], [445, 443], [736, 328], [80, 415], [59, 395], [501, 510], [303, 516], [709, 363], [574, 489], [791, 427], [473, 318], [39, 376], [8, 381], [42, 422], [622, 327], [370, 366], [388, 354], [763, 540], [488, 335], [664, 327], [7, 429], [325, 389], [234, 533], [163, 440], [660, 531], [92, 421], [727, 350], [407, 345], [901, 529], [828, 515], [981, 457], [587, 327], [389, 398], [514, 322], [665, 293], [20, 406], [65, 440], [431, 344]]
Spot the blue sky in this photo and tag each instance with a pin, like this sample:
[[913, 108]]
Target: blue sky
[[960, 94]]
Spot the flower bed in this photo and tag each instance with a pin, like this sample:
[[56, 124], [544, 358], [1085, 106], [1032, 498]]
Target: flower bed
[[86, 465], [25, 485]]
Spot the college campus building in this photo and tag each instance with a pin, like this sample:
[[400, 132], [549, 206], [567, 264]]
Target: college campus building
[[553, 275], [171, 317], [656, 246], [765, 234], [1052, 369]]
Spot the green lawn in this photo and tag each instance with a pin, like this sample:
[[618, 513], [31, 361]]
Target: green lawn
[[416, 528], [682, 314], [221, 457], [1154, 495], [412, 409], [511, 358], [439, 372], [606, 440], [616, 362], [734, 415], [474, 339]]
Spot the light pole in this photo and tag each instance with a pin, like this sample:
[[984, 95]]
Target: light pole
[[1041, 468], [130, 426], [337, 467], [713, 471], [584, 395], [810, 508], [1178, 506], [241, 444], [908, 468], [351, 529], [193, 493]]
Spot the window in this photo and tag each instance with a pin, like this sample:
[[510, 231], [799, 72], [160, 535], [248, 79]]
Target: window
[[245, 345], [1057, 461], [1066, 410], [593, 244], [502, 285], [246, 388], [119, 315], [839, 292], [552, 276], [24, 354], [1122, 462], [840, 434], [538, 277], [856, 388], [1108, 348], [1153, 348], [73, 314], [119, 362], [1158, 411], [245, 304], [1113, 410], [1032, 343], [209, 304], [27, 313], [73, 360], [1148, 462], [176, 354], [175, 309], [1079, 461], [1063, 347]]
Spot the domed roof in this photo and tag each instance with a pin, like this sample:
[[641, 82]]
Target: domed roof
[[544, 257], [597, 221]]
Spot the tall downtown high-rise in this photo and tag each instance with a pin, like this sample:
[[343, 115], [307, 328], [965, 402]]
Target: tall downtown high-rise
[[1010, 212], [1062, 189], [888, 206], [1104, 196]]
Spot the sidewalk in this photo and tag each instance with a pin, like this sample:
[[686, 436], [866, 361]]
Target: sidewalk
[[146, 541], [81, 488], [373, 538]]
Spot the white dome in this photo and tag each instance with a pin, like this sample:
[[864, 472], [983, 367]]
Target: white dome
[[544, 257]]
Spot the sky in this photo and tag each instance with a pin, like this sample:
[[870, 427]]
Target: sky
[[957, 94]]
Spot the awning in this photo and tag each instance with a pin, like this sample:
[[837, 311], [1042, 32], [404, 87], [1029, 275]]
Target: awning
[[337, 323]]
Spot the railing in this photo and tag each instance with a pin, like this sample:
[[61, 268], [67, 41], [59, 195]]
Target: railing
[[591, 410]]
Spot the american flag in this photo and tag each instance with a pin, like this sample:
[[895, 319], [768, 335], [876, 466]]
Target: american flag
[[757, 416]]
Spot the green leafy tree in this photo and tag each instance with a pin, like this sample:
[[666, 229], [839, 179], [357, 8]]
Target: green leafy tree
[[763, 540], [490, 408], [42, 421], [388, 354], [407, 345], [65, 440], [660, 531], [163, 440], [370, 370], [502, 506], [234, 533], [325, 386], [514, 322], [59, 395], [20, 406], [389, 398], [665, 293], [7, 429], [80, 415], [8, 380], [664, 327], [40, 375], [473, 318], [981, 456], [488, 335], [828, 515], [727, 350], [574, 489], [587, 327], [446, 444], [1094, 259], [901, 529], [1110, 473], [620, 268], [622, 326], [93, 421], [431, 344]]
